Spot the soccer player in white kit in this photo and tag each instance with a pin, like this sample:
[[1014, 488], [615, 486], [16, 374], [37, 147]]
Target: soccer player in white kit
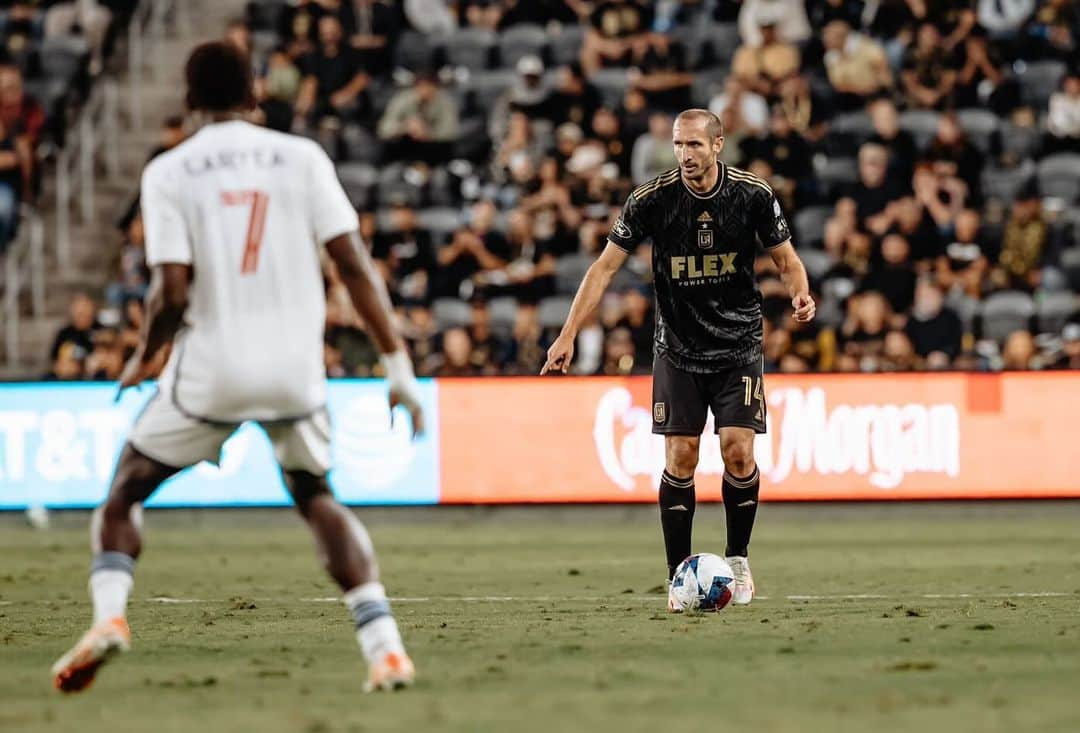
[[235, 218]]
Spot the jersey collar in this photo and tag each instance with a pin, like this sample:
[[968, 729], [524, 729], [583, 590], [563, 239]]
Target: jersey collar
[[720, 178]]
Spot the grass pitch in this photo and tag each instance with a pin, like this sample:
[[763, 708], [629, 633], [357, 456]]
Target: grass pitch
[[887, 618]]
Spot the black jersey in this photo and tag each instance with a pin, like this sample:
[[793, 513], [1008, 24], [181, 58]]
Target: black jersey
[[704, 245]]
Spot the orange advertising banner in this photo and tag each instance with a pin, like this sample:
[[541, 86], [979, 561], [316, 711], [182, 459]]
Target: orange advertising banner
[[830, 437]]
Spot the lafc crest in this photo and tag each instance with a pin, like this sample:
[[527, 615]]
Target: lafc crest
[[659, 413], [704, 233]]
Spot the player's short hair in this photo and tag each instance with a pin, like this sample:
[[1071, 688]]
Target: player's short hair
[[713, 126], [219, 78]]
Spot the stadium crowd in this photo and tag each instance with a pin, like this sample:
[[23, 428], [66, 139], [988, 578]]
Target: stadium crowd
[[50, 52], [926, 153]]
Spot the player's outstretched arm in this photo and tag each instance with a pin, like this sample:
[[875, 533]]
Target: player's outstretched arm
[[372, 302], [166, 301], [588, 296], [793, 273]]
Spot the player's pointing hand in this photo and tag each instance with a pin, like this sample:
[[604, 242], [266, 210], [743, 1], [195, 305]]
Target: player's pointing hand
[[559, 355], [804, 306]]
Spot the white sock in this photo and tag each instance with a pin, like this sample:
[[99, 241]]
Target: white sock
[[109, 590], [376, 630]]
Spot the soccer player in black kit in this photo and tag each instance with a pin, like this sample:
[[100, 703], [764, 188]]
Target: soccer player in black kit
[[705, 220]]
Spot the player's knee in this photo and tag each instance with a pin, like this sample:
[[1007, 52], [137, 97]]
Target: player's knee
[[738, 455], [682, 456]]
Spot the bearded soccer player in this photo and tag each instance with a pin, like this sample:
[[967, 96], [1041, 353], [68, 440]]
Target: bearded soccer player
[[236, 217], [705, 220]]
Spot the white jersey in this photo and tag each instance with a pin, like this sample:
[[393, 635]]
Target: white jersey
[[249, 209]]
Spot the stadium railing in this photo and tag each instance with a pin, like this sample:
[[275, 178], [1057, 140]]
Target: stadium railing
[[148, 26], [24, 269]]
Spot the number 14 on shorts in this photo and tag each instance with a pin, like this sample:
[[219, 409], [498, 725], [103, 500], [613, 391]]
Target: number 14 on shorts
[[258, 201]]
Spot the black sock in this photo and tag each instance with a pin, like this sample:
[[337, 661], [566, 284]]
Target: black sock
[[740, 506], [677, 504]]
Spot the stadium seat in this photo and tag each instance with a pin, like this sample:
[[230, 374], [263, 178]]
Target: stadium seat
[[981, 125], [1003, 183], [487, 86], [470, 47], [564, 47], [1070, 263], [451, 313], [966, 307], [922, 124], [360, 144], [443, 188], [857, 124], [835, 173], [503, 314], [415, 51], [553, 311], [707, 83], [570, 270], [720, 40], [817, 262], [1019, 142], [519, 41], [1054, 310], [1059, 176], [1038, 81], [1003, 313], [392, 187], [810, 225]]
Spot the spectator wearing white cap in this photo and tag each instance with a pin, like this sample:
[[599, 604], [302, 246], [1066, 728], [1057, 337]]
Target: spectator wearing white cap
[[531, 93], [789, 16]]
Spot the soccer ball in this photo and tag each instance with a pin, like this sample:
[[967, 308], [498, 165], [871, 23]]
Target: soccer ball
[[702, 583]]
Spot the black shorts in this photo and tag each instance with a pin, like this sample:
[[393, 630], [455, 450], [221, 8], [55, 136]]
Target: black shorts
[[682, 400]]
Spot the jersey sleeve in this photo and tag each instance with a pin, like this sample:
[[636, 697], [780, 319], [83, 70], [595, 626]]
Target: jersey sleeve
[[628, 231], [167, 235], [331, 211], [771, 226]]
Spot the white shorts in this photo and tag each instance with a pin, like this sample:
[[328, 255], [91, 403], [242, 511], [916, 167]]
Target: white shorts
[[167, 435]]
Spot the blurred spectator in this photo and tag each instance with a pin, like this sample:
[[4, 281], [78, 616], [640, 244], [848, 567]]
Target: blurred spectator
[[106, 361], [964, 263], [940, 193], [527, 350], [1054, 29], [172, 134], [934, 329], [789, 16], [661, 74], [15, 162], [20, 114], [420, 123], [529, 274], [430, 17], [408, 256], [874, 190], [856, 65], [748, 110], [540, 12], [334, 81], [653, 153], [85, 17], [1070, 347], [375, 34], [639, 318], [472, 249], [980, 80], [238, 35], [607, 130], [892, 274], [619, 359], [899, 353], [1023, 244], [79, 332], [887, 132], [909, 217], [529, 95], [761, 67], [488, 350], [1019, 352], [278, 90], [927, 76], [788, 155], [954, 155], [807, 113], [1063, 120], [67, 364], [864, 330], [132, 274], [575, 99], [618, 32], [455, 359]]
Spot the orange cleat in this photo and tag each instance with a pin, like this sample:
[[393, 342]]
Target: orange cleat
[[394, 671], [75, 671]]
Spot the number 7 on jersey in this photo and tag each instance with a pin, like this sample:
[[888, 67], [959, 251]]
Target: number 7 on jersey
[[257, 200]]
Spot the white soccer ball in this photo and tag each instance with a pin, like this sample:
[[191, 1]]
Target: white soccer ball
[[701, 583]]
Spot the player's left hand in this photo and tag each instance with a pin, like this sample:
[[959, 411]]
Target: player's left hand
[[804, 306]]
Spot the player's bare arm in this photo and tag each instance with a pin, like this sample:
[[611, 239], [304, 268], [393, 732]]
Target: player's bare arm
[[592, 288], [368, 293], [166, 301], [793, 273]]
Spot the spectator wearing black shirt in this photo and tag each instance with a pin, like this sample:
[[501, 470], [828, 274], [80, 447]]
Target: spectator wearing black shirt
[[955, 155], [661, 74], [980, 80], [472, 249], [409, 257], [334, 82], [934, 329], [618, 31], [928, 74], [575, 99], [789, 156], [966, 258], [375, 34], [891, 273], [900, 143], [875, 190], [639, 319], [78, 334]]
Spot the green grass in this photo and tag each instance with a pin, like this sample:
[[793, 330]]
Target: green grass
[[584, 645]]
